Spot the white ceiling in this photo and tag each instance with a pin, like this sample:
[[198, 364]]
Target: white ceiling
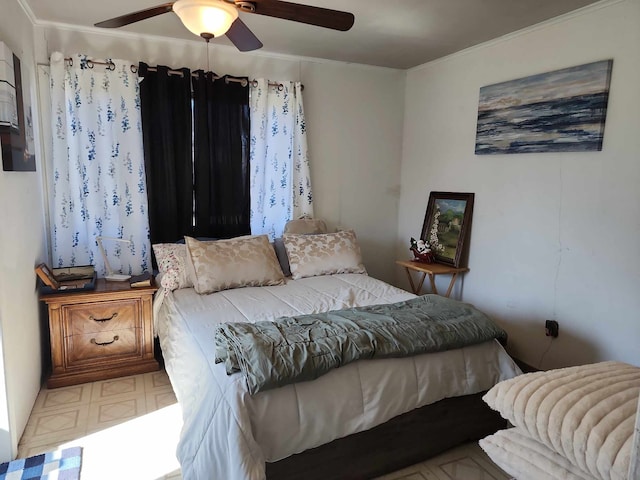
[[390, 33]]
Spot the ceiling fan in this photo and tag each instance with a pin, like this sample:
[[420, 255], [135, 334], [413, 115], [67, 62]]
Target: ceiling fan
[[213, 18]]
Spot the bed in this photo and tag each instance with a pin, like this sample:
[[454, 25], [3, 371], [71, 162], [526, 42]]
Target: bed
[[307, 429], [574, 423]]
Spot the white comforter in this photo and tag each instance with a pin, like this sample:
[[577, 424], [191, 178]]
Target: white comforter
[[229, 435]]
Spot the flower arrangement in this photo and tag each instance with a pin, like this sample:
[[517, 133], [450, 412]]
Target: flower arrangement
[[433, 233], [425, 251], [421, 251]]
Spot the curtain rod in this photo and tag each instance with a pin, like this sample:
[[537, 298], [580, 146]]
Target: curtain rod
[[112, 66], [242, 81], [90, 63]]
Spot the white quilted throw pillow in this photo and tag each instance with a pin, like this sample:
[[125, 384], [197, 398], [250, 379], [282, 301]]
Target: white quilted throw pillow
[[586, 414]]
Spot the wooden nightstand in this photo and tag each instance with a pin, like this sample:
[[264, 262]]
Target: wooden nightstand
[[431, 269], [99, 334]]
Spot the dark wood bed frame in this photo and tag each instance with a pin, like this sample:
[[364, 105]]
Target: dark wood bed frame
[[402, 441]]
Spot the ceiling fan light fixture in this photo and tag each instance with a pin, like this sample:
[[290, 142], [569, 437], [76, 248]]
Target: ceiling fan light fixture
[[206, 16]]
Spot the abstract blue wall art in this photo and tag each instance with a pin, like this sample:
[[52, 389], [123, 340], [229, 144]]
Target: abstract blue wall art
[[559, 111]]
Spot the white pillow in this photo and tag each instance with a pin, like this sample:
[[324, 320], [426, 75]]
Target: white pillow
[[172, 263], [525, 459], [306, 226], [323, 254], [586, 414], [236, 262]]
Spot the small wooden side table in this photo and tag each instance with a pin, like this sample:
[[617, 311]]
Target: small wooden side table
[[431, 269]]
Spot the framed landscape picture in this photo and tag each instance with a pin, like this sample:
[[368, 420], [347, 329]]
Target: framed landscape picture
[[447, 224]]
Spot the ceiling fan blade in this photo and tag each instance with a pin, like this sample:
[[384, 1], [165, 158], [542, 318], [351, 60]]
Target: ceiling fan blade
[[136, 16], [321, 17], [242, 37]]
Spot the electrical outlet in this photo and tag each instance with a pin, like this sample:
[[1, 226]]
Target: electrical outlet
[[551, 328]]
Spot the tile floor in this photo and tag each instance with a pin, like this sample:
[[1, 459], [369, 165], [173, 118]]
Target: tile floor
[[137, 421], [467, 462], [134, 419]]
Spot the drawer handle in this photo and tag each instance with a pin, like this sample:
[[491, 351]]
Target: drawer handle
[[102, 344], [91, 317]]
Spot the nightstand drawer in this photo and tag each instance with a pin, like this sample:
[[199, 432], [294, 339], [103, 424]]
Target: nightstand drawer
[[101, 317], [111, 345]]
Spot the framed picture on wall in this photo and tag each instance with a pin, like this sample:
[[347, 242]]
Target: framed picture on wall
[[447, 224], [16, 120], [560, 111]]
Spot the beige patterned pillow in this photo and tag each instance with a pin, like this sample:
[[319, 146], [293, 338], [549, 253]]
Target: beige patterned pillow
[[171, 259], [306, 226], [323, 254], [236, 262]]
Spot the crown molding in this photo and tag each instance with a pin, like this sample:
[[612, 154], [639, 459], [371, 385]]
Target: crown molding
[[28, 12]]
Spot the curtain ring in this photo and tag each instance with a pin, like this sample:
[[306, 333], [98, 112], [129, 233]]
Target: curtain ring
[[89, 64], [69, 61], [226, 80], [280, 87], [244, 82], [133, 68], [110, 65], [254, 83]]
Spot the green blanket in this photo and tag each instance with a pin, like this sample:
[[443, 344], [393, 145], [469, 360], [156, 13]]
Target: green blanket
[[304, 347]]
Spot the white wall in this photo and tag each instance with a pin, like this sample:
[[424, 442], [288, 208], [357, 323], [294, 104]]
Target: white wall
[[22, 246], [354, 116], [555, 235]]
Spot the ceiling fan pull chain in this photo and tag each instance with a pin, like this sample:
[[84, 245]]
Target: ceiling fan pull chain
[[208, 41]]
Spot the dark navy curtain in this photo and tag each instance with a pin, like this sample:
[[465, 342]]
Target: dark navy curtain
[[221, 156], [167, 134]]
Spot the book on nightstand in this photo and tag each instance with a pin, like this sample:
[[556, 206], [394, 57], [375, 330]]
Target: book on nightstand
[[142, 280], [66, 279]]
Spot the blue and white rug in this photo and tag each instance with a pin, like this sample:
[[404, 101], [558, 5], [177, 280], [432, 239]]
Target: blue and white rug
[[57, 465]]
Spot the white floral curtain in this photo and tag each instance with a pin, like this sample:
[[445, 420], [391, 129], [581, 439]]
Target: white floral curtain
[[280, 177], [97, 166]]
